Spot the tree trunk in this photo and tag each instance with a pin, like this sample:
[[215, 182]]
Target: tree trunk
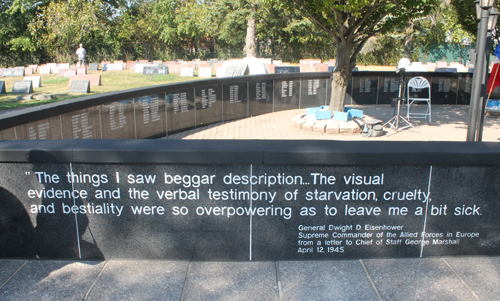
[[409, 40], [250, 39], [341, 76]]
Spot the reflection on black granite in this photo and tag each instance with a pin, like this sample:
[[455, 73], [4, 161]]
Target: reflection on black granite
[[16, 231], [56, 233]]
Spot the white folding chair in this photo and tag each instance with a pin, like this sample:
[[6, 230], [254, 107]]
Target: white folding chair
[[418, 83]]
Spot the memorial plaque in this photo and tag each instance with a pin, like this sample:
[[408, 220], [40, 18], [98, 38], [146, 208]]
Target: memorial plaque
[[29, 71], [286, 94], [139, 68], [388, 89], [81, 71], [82, 124], [235, 101], [187, 72], [8, 134], [464, 89], [94, 79], [36, 81], [79, 86], [155, 70], [45, 70], [112, 67], [180, 106], [22, 87], [444, 90], [287, 69], [150, 116], [2, 87], [261, 97], [13, 72], [208, 104], [250, 212], [93, 66], [63, 66], [313, 92], [117, 120], [205, 72], [68, 72], [43, 129], [364, 90]]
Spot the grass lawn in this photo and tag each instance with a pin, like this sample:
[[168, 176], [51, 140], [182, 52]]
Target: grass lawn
[[59, 86]]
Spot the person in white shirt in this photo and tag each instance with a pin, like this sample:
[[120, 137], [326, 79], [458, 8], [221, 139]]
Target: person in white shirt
[[81, 55]]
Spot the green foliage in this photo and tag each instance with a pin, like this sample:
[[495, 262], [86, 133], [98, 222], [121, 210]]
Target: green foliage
[[43, 31]]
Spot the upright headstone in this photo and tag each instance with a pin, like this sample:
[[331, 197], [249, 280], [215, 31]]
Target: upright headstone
[[139, 68], [287, 69], [36, 80], [45, 70], [205, 72], [2, 87], [28, 71], [155, 70], [95, 79], [79, 86], [81, 71], [69, 72], [112, 67], [14, 72], [187, 72], [93, 66], [22, 87]]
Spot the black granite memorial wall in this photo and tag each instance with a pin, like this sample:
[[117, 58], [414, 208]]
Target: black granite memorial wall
[[180, 106], [248, 200]]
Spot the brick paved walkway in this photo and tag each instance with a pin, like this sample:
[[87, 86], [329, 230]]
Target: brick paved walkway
[[449, 123]]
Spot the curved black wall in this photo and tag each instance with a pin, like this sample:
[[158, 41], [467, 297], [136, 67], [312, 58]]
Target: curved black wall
[[157, 111]]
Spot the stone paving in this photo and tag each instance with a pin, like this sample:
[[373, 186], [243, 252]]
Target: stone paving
[[449, 123]]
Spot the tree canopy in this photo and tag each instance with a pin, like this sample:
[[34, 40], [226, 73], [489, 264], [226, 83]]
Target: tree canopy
[[40, 31], [351, 23]]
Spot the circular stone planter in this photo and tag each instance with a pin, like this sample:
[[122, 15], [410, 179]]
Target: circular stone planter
[[332, 126]]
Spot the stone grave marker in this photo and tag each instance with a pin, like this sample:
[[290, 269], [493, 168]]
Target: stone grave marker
[[187, 72], [155, 70], [45, 70], [287, 69], [95, 79], [14, 72], [28, 71], [205, 72], [139, 68], [174, 68], [94, 66], [64, 65], [36, 81], [69, 72], [81, 71], [306, 68], [79, 86], [112, 67], [22, 87], [2, 87]]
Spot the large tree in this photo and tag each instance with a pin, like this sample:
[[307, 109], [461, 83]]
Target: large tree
[[350, 23]]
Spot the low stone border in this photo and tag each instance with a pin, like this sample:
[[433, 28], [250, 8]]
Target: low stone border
[[309, 123]]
